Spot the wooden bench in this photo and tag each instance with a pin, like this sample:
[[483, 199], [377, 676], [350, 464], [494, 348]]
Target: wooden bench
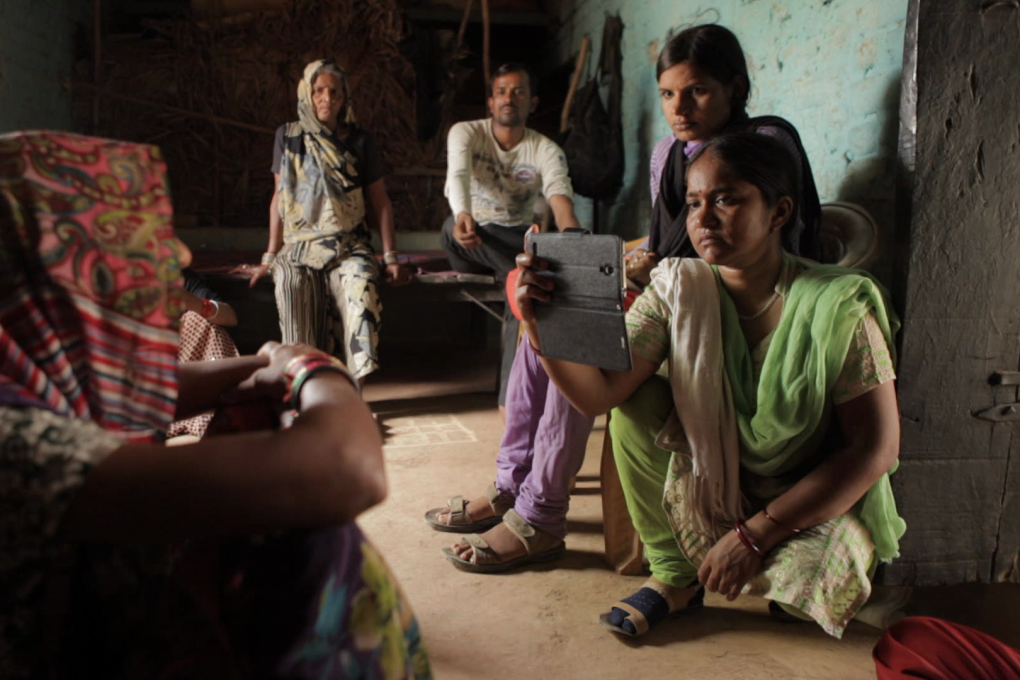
[[258, 321]]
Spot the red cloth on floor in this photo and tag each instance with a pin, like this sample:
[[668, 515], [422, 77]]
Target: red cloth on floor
[[925, 647]]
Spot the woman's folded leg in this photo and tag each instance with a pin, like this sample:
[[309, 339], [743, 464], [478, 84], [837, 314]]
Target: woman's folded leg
[[643, 468]]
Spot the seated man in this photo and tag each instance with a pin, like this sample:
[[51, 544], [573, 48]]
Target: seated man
[[496, 167]]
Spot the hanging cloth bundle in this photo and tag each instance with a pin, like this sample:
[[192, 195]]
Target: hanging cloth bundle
[[593, 143]]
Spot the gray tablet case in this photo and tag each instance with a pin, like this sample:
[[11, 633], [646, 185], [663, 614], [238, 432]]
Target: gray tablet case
[[584, 321]]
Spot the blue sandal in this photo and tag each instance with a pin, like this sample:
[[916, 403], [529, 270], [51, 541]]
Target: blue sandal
[[636, 614]]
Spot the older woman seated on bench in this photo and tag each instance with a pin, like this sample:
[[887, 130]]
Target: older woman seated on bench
[[320, 253]]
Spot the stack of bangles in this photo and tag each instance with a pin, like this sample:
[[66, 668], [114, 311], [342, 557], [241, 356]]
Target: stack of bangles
[[210, 308], [391, 257], [301, 368], [748, 540]]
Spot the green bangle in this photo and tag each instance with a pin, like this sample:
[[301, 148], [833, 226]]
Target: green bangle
[[303, 377]]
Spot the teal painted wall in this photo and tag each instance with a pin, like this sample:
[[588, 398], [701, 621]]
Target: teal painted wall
[[831, 67], [36, 51]]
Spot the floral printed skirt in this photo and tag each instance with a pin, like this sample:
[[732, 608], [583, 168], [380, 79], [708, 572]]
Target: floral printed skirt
[[822, 571], [323, 604]]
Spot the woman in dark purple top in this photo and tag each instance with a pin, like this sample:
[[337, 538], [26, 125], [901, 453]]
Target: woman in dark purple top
[[704, 87]]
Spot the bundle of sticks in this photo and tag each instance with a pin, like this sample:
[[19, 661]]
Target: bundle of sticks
[[211, 94]]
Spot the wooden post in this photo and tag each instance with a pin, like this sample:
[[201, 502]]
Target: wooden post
[[957, 280], [574, 80], [464, 22], [485, 45], [217, 194], [97, 57]]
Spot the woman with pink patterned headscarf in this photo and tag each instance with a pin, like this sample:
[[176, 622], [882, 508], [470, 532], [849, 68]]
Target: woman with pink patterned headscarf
[[123, 557]]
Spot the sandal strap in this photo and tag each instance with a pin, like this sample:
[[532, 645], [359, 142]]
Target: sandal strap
[[668, 594], [639, 620], [481, 551], [519, 528], [534, 539], [458, 511], [645, 608], [476, 541], [500, 502]]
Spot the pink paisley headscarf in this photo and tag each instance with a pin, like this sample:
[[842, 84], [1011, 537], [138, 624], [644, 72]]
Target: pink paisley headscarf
[[89, 273]]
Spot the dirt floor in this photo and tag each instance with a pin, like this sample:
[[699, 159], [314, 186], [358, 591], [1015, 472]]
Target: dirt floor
[[443, 431]]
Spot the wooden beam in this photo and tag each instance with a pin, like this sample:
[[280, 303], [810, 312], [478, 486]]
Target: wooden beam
[[173, 109]]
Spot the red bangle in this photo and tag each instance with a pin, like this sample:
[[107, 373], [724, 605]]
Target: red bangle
[[780, 524], [745, 538], [301, 368], [292, 367], [208, 309]]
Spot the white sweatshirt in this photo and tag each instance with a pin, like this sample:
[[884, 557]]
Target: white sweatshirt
[[496, 186]]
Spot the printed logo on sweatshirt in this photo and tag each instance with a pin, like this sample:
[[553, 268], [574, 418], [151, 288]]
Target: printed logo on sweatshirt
[[525, 175]]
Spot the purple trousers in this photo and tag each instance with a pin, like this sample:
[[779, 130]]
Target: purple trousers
[[543, 444]]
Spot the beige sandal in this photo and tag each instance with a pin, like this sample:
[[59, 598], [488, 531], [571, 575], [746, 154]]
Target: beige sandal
[[459, 521], [540, 545]]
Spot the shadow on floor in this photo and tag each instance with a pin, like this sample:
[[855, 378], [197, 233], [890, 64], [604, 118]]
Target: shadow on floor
[[575, 526], [461, 403], [420, 372]]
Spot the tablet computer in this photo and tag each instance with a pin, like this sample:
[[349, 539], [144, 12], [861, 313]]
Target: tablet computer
[[584, 321]]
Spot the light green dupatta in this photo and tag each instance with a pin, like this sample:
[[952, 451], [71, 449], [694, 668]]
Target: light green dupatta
[[821, 312]]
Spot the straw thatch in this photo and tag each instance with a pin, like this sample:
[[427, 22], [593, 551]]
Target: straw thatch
[[212, 93]]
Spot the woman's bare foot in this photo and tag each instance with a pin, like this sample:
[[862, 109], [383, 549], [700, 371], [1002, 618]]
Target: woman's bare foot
[[502, 541]]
